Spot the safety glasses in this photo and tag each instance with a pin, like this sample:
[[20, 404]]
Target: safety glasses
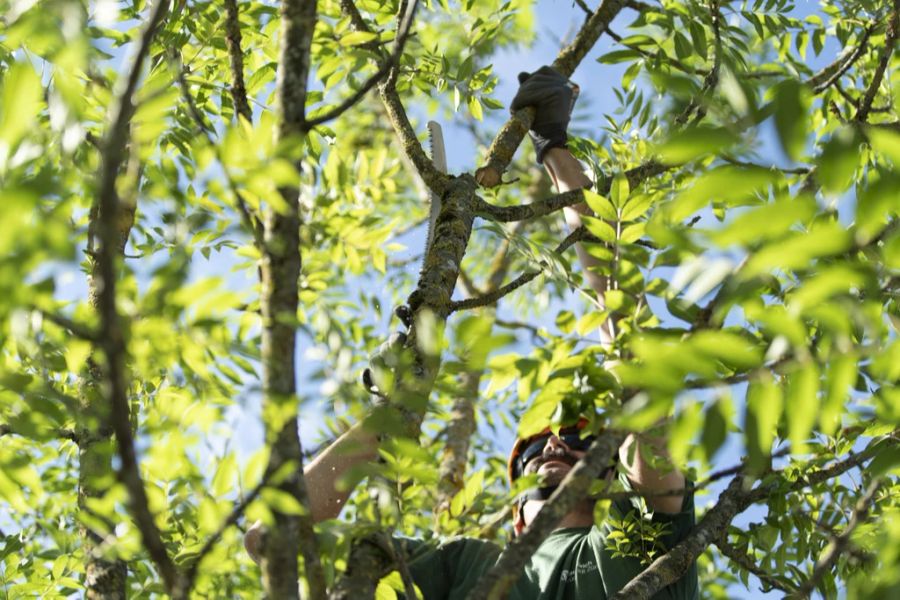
[[571, 438]]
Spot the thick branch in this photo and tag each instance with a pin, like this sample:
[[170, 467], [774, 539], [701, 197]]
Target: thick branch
[[890, 38], [292, 534], [111, 334], [573, 489], [389, 63], [511, 134], [236, 57]]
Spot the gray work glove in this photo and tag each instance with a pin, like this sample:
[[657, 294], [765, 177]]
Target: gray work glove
[[378, 378], [553, 97]]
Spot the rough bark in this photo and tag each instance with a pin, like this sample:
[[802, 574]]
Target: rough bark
[[280, 270]]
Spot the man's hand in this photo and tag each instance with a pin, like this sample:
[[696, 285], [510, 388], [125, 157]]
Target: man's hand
[[379, 377], [553, 97]]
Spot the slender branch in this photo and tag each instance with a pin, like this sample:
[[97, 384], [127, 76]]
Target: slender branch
[[76, 329], [573, 489], [512, 133], [250, 220], [890, 38], [656, 56], [489, 298], [583, 6], [187, 582], [112, 339], [839, 543], [236, 56], [831, 74], [746, 562], [787, 171], [391, 62], [412, 148], [292, 534], [61, 433], [694, 108], [641, 6], [507, 214]]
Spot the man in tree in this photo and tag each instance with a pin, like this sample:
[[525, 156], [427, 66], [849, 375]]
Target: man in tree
[[577, 561]]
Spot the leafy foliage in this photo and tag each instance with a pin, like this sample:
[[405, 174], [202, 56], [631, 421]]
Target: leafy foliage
[[755, 271]]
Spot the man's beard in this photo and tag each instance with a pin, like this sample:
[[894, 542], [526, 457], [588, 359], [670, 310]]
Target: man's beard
[[554, 478]]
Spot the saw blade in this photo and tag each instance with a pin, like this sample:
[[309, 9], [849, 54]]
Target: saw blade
[[439, 158]]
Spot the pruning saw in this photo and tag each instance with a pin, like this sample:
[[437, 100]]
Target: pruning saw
[[439, 158]]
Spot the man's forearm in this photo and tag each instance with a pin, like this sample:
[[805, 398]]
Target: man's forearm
[[354, 447], [651, 479], [567, 174]]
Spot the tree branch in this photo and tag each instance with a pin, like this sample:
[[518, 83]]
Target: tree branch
[[509, 137], [389, 63], [112, 338], [76, 329], [573, 489], [236, 56], [492, 297], [831, 74], [61, 433], [190, 575], [746, 562], [434, 179], [838, 544], [890, 38], [292, 533], [250, 220]]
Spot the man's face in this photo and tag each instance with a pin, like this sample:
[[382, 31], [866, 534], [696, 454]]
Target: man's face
[[552, 456]]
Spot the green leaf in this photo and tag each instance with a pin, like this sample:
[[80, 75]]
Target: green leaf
[[770, 221], [619, 191], [698, 37], [356, 38], [715, 426], [636, 207], [792, 105], [886, 142], [842, 374], [618, 56], [838, 161], [688, 144], [21, 103], [876, 205], [799, 250], [727, 184], [600, 228], [764, 406], [803, 400], [601, 205], [475, 108]]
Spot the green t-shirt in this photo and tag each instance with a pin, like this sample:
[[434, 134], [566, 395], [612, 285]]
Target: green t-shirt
[[571, 564]]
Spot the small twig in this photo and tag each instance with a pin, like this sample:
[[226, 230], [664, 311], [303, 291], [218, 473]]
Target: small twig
[[838, 544], [61, 433], [387, 65], [656, 56], [581, 4], [788, 171], [641, 6], [890, 37]]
